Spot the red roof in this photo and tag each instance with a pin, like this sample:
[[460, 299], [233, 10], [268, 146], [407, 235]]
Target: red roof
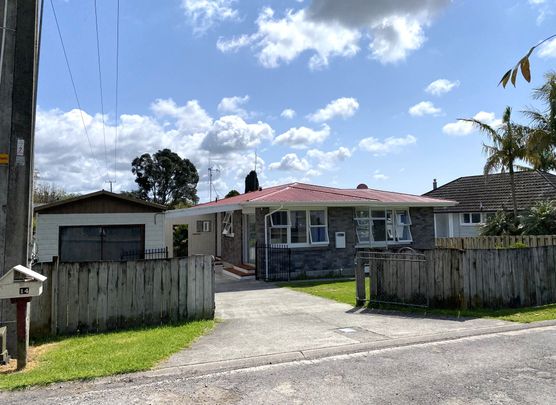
[[307, 193]]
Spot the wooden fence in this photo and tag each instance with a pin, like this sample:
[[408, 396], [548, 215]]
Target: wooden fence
[[494, 242], [472, 278], [99, 296]]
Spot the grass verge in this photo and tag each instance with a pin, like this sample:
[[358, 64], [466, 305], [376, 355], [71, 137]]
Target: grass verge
[[103, 354], [344, 291]]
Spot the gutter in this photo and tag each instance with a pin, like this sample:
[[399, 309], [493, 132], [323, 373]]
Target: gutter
[[266, 237]]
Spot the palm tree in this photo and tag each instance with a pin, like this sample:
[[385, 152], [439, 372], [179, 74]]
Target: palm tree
[[541, 142], [508, 147]]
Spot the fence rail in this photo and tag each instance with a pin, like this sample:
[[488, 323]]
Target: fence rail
[[99, 296], [147, 254], [494, 242], [471, 278]]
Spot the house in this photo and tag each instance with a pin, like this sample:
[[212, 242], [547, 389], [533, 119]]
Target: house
[[322, 226], [480, 196], [98, 226]]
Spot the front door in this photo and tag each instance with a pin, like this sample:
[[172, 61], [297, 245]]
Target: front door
[[249, 238]]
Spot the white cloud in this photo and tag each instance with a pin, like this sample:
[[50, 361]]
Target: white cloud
[[233, 105], [290, 162], [543, 8], [203, 14], [441, 86], [388, 145], [462, 128], [190, 118], [302, 137], [342, 107], [280, 41], [424, 108], [232, 133], [548, 49], [329, 160], [329, 28], [63, 155], [380, 176], [288, 113]]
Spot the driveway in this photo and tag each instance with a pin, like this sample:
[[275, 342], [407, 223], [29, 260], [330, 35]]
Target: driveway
[[262, 321]]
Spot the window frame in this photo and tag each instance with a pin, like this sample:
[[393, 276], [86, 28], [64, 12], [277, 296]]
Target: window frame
[[392, 234], [308, 235], [482, 218], [228, 224]]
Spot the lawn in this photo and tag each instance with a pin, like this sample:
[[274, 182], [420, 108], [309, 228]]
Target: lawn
[[97, 355], [344, 291]]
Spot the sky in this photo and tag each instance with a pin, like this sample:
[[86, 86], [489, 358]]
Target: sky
[[317, 91]]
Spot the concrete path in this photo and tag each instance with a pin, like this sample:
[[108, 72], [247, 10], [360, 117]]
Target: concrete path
[[262, 323]]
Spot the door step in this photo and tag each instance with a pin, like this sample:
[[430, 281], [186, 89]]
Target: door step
[[241, 273]]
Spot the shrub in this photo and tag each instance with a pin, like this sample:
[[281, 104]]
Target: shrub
[[501, 223], [540, 219]]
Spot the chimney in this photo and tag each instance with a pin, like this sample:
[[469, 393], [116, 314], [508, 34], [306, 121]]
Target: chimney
[[434, 184]]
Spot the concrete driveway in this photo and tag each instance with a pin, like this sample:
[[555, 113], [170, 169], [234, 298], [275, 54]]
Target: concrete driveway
[[262, 323]]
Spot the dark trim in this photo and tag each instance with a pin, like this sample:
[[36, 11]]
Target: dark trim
[[155, 207]]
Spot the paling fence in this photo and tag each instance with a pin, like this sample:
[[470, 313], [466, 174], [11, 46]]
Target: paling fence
[[471, 278], [99, 296], [494, 242]]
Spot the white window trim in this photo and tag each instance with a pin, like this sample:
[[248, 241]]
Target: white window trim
[[394, 225], [228, 224], [206, 226], [482, 221], [309, 242]]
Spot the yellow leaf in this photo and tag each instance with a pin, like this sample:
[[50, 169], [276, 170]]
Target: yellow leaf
[[505, 78], [525, 71], [514, 75]]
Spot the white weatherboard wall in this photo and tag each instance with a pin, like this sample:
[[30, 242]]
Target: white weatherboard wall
[[48, 226], [457, 230]]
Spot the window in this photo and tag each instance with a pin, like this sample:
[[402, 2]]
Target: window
[[299, 227], [228, 224], [203, 226], [471, 218], [317, 223], [380, 226]]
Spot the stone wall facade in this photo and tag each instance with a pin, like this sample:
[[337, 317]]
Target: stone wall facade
[[422, 228]]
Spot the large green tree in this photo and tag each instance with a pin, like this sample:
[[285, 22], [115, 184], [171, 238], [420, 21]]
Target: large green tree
[[165, 178], [44, 193], [508, 147], [541, 142]]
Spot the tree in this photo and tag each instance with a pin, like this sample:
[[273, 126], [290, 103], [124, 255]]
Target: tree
[[541, 142], [499, 224], [540, 219], [180, 240], [165, 178], [45, 193], [231, 193], [523, 64], [251, 182], [508, 147]]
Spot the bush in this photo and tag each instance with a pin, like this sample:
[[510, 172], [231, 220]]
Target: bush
[[540, 219], [501, 223]]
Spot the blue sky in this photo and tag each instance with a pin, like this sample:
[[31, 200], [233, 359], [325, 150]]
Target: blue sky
[[325, 92]]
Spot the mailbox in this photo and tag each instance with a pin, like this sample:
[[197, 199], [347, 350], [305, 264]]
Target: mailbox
[[340, 240], [21, 282]]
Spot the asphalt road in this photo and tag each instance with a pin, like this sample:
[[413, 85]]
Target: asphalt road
[[511, 367]]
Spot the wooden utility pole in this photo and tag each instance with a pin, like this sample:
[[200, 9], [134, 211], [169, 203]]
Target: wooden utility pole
[[19, 41]]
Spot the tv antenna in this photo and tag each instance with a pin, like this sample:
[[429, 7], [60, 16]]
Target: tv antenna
[[211, 171]]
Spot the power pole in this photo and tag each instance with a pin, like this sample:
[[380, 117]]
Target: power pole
[[20, 37]]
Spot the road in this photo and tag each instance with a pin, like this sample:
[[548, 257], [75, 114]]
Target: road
[[511, 367]]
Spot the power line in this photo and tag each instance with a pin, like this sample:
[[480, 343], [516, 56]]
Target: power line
[[73, 82], [100, 85], [117, 83]]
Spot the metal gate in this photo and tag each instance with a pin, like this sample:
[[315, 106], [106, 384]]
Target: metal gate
[[396, 278], [273, 262]]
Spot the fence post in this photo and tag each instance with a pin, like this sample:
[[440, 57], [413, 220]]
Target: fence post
[[361, 293]]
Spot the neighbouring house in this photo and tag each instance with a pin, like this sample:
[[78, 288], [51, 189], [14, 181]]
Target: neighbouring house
[[99, 226], [480, 196], [321, 226]]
